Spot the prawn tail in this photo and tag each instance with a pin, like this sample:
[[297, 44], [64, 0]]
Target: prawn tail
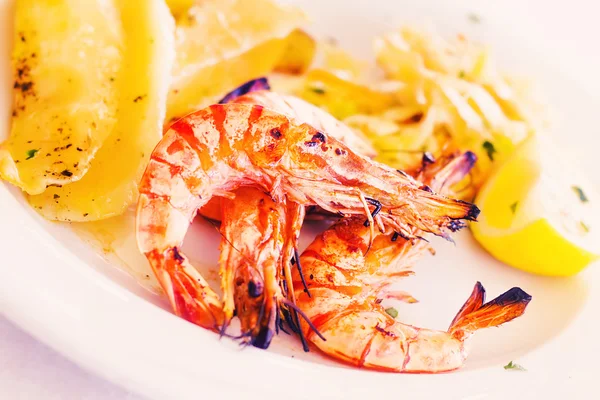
[[475, 314]]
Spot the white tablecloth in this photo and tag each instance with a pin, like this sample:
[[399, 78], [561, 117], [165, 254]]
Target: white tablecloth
[[30, 370]]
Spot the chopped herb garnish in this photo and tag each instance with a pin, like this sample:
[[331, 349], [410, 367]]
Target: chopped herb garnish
[[317, 90], [31, 153], [474, 18], [513, 206], [461, 74], [490, 149], [392, 312], [585, 227], [514, 366], [581, 194]]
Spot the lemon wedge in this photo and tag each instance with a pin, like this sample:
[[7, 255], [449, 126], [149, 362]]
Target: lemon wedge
[[538, 213]]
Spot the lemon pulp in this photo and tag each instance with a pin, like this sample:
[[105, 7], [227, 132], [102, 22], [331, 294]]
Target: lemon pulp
[[539, 214]]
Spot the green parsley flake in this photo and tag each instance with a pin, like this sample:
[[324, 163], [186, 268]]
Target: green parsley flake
[[584, 226], [490, 149], [513, 206], [392, 312], [31, 153], [474, 18], [581, 194], [514, 367], [317, 90]]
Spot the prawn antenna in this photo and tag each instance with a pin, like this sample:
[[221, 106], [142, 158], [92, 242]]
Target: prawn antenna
[[282, 327], [277, 319], [283, 284], [427, 241], [366, 201], [279, 326], [261, 314], [289, 320], [223, 330], [376, 211], [300, 333], [240, 336], [398, 234], [234, 337], [306, 319], [297, 259]]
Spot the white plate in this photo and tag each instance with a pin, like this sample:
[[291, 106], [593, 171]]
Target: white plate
[[57, 288]]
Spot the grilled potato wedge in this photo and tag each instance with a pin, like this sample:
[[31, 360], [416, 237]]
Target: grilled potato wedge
[[221, 44], [110, 184], [299, 53], [66, 60]]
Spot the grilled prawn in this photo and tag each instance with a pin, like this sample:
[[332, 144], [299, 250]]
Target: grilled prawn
[[258, 237], [348, 274], [249, 280], [258, 92], [216, 150]]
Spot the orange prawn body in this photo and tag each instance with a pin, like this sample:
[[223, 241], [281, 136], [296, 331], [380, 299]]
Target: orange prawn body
[[297, 110], [348, 274], [254, 234], [305, 112], [216, 150]]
